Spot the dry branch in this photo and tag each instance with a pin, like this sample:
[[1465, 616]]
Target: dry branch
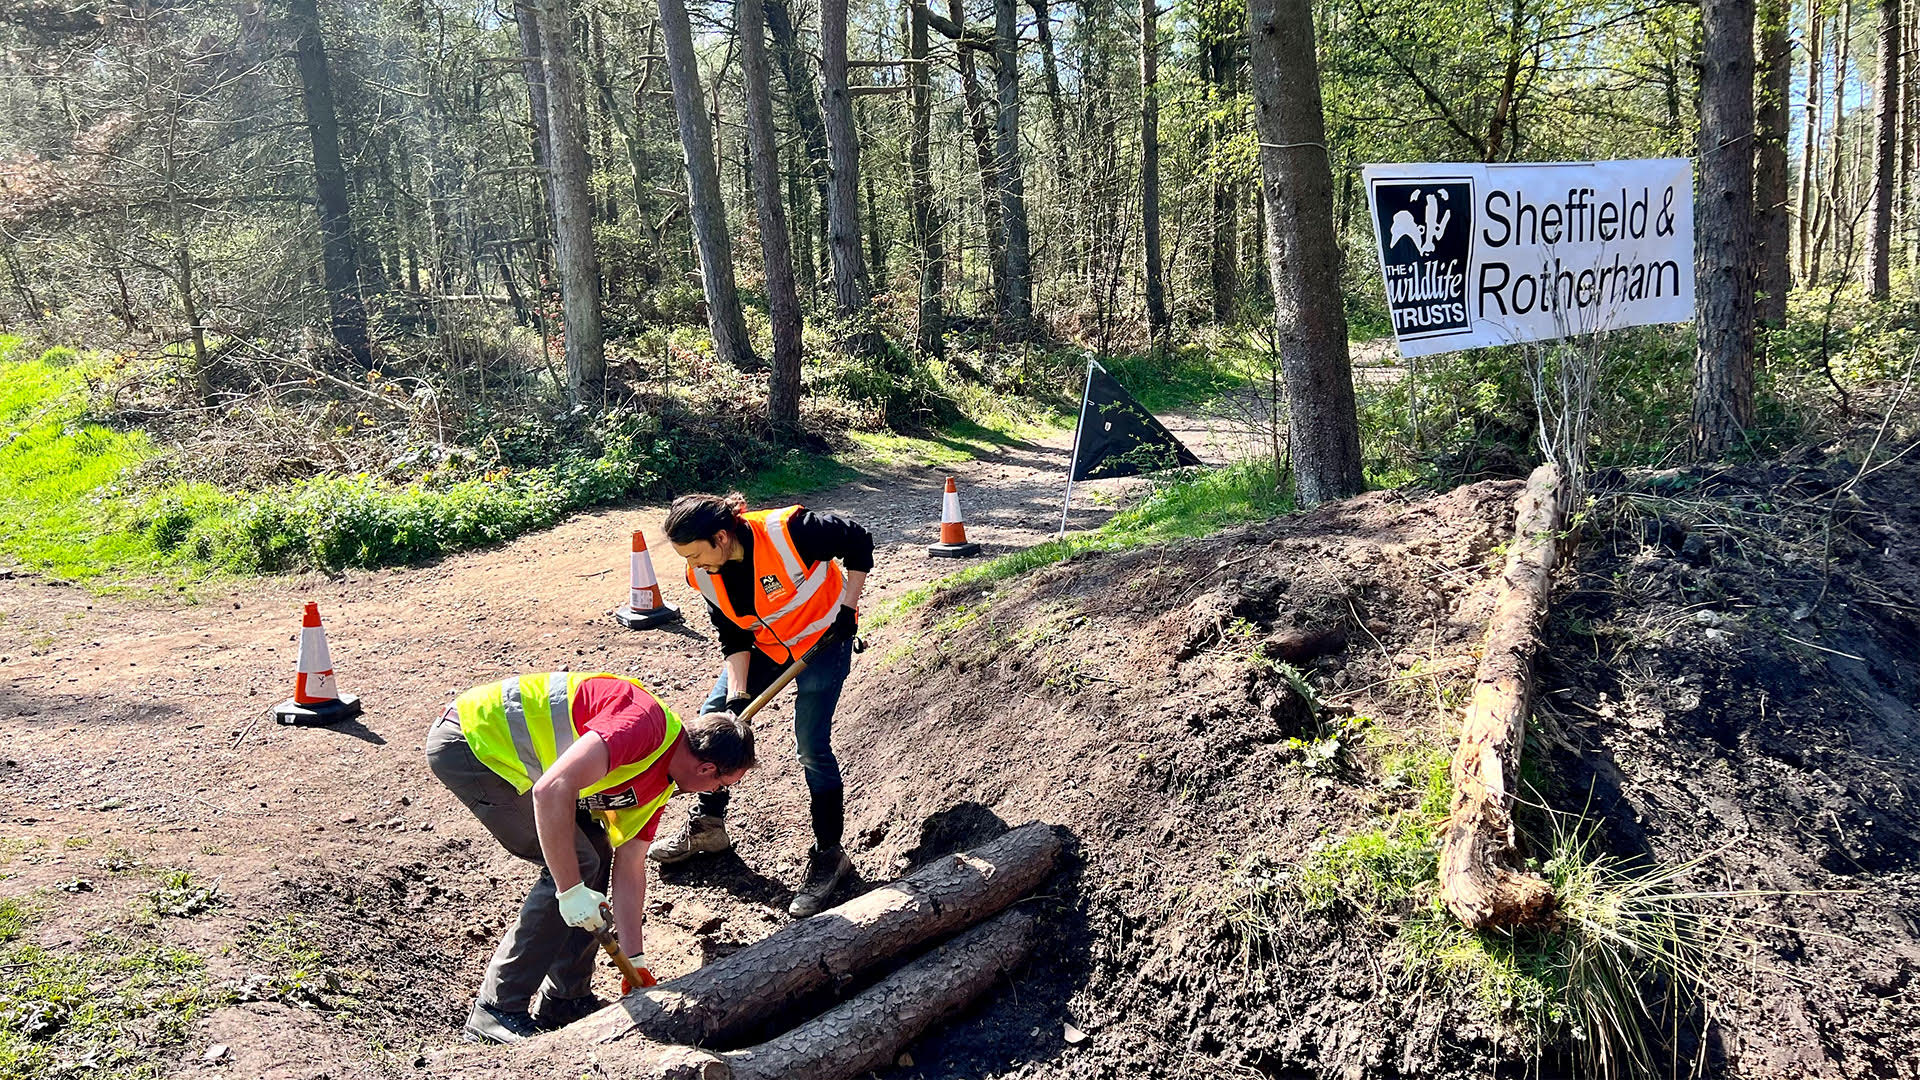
[[1482, 878], [867, 1032]]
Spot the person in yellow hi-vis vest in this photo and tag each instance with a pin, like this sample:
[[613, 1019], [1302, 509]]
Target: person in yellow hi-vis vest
[[570, 772]]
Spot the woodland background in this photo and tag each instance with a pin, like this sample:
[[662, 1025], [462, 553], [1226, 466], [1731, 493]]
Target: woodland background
[[448, 263]]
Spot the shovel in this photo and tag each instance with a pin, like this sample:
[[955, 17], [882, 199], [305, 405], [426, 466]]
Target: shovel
[[637, 979]]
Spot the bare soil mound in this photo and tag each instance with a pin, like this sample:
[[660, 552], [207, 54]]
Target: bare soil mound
[[1732, 673], [1188, 712], [1731, 678]]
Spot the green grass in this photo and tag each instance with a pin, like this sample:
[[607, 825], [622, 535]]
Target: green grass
[[59, 510], [69, 505], [1196, 504], [1628, 951], [111, 1006]]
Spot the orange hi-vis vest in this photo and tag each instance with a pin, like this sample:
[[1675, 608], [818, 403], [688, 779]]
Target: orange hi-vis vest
[[795, 604]]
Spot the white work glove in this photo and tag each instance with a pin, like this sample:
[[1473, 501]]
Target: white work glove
[[580, 906]]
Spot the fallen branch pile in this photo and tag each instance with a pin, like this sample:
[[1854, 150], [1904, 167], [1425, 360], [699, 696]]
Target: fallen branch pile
[[681, 1030], [1482, 877]]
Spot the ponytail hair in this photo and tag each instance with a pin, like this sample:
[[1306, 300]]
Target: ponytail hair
[[699, 516]]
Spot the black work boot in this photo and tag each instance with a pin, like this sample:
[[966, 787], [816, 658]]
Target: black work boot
[[490, 1023], [825, 870]]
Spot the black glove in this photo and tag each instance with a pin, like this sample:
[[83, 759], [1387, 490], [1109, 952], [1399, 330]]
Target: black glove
[[738, 703], [847, 624]]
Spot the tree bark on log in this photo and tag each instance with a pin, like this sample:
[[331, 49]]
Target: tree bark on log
[[1481, 879], [867, 1032], [737, 992]]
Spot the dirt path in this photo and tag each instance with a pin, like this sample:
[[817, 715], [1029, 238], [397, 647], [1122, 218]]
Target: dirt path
[[138, 732]]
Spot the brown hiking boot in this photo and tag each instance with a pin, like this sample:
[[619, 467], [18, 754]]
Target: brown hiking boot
[[825, 869], [702, 835]]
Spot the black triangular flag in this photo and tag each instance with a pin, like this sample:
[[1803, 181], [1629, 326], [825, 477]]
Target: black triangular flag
[[1117, 436]]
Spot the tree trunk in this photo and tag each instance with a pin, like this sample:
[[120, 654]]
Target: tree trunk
[[1150, 170], [843, 145], [339, 261], [1810, 147], [1886, 147], [805, 103], [980, 125], [868, 1032], [783, 300], [706, 210], [1303, 253], [930, 336], [575, 261], [1018, 279], [1772, 228], [1723, 363], [1836, 146], [1223, 255], [1056, 103], [876, 243]]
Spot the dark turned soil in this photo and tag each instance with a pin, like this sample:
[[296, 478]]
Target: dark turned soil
[[1732, 673]]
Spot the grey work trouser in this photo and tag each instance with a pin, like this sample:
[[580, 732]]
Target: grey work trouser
[[540, 951]]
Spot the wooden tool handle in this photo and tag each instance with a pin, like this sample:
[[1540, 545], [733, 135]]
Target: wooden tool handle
[[620, 959], [793, 672]]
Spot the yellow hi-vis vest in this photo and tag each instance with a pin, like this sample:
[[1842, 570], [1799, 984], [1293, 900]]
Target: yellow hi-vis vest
[[520, 726], [795, 604]]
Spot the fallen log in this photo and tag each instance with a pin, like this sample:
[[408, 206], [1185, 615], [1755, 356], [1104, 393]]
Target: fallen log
[[1482, 876], [869, 1031], [658, 1034], [738, 993]]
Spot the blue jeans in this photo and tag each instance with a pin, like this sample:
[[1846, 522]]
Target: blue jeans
[[816, 695]]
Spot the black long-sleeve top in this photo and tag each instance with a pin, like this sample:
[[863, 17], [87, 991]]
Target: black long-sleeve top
[[817, 535]]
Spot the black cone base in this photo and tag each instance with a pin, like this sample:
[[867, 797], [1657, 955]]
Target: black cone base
[[953, 551], [318, 714], [646, 620]]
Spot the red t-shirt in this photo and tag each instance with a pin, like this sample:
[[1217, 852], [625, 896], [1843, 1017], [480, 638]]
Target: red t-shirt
[[632, 723]]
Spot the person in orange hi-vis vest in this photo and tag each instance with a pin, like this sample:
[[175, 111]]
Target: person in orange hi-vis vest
[[777, 582]]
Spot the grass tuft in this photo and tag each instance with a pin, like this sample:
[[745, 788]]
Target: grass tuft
[[112, 1006], [1632, 954]]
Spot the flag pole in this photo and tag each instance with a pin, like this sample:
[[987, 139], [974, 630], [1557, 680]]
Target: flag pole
[[1073, 465]]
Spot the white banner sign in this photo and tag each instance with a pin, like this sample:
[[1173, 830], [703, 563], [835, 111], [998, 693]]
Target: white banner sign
[[1478, 255]]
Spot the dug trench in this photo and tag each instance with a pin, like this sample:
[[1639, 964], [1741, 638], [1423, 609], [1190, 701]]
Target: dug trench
[[1242, 739]]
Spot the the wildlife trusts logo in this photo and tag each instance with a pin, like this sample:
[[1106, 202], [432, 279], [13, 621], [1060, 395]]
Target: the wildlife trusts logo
[[770, 584], [1426, 244]]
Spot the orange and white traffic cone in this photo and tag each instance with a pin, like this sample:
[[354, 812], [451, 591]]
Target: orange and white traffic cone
[[645, 606], [316, 697], [953, 529]]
